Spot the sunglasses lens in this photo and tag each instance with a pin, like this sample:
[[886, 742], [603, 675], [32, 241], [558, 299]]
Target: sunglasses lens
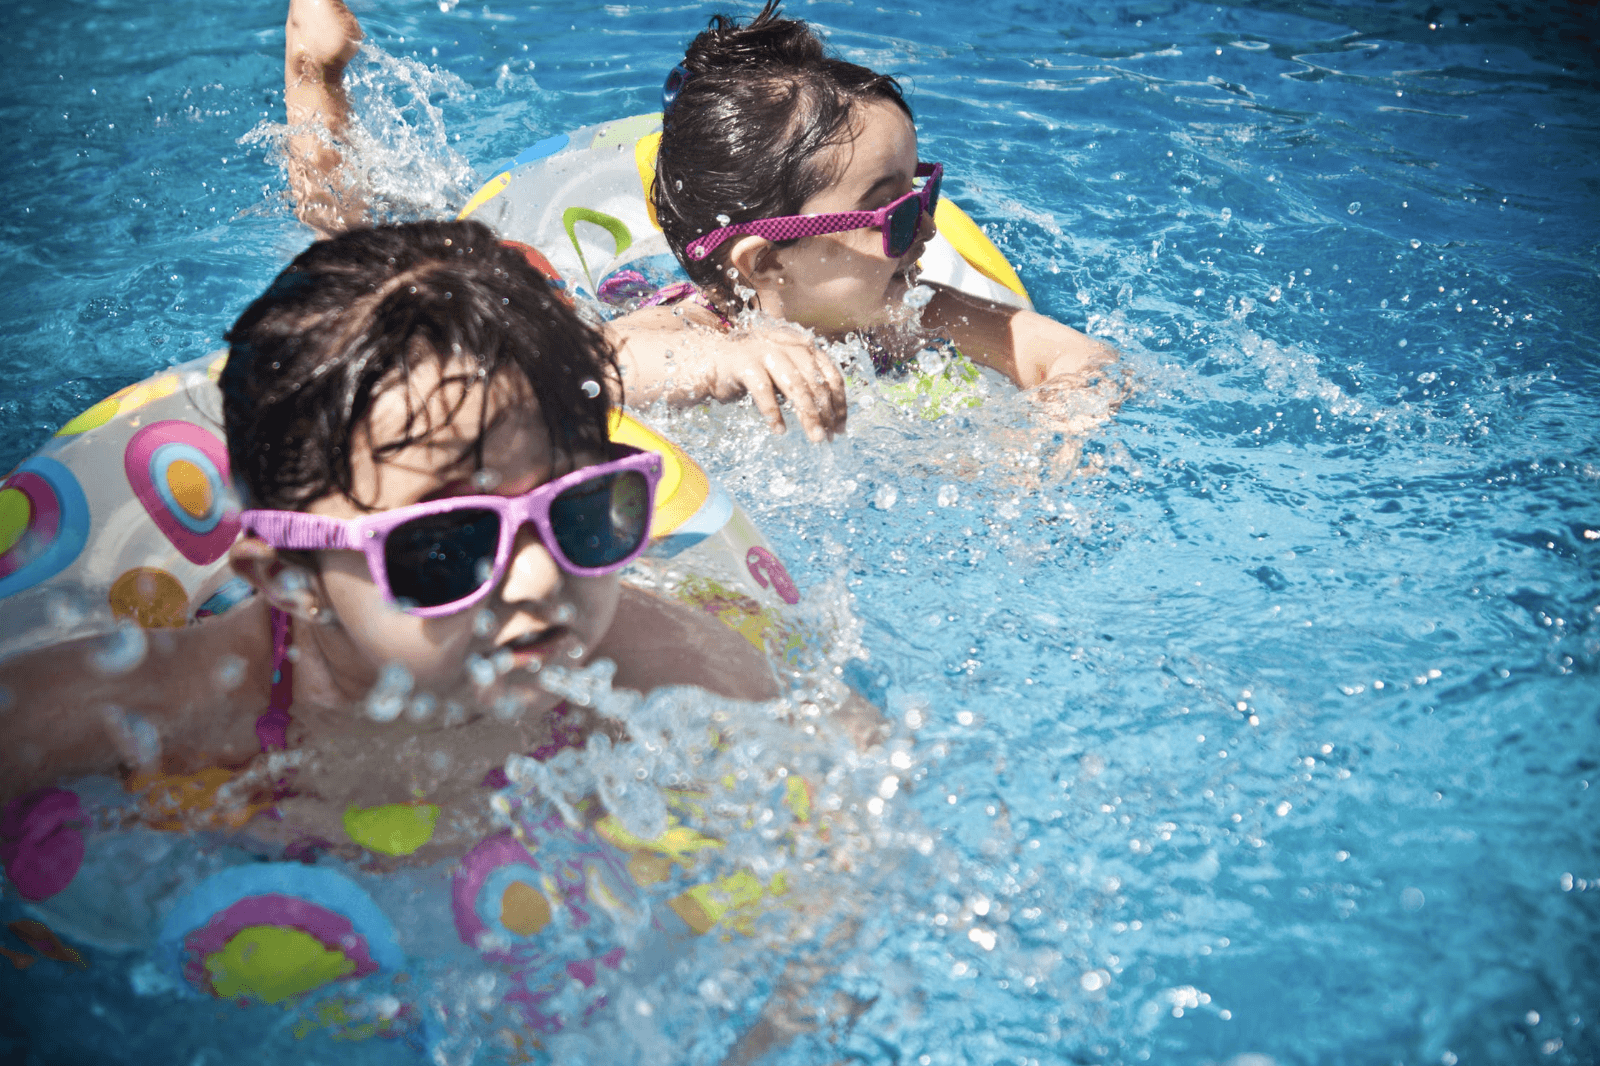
[[932, 189], [903, 223], [442, 558], [601, 521]]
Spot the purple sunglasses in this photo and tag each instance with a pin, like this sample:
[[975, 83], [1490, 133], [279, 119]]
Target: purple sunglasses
[[899, 221], [444, 556]]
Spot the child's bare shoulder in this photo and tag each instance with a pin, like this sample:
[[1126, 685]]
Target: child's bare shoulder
[[655, 641], [101, 704]]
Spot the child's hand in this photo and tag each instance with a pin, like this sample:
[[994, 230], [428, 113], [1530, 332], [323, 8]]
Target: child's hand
[[776, 360], [321, 37], [682, 356]]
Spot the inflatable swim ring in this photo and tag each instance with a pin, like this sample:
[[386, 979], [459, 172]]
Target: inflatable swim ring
[[127, 515], [583, 200]]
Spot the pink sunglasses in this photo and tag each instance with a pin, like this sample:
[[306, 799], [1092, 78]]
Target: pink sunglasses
[[444, 556], [898, 220]]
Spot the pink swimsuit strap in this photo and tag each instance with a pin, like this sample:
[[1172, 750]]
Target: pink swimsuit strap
[[686, 290], [272, 728]]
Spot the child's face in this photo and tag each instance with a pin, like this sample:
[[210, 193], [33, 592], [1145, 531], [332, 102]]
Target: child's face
[[538, 613], [842, 281]]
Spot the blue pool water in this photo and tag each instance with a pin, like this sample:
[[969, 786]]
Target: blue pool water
[[1268, 735]]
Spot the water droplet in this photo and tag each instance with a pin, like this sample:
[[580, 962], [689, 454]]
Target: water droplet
[[229, 672], [917, 297], [388, 697], [422, 706], [509, 707], [483, 622], [723, 220], [1355, 207], [122, 650], [136, 739], [486, 480], [63, 610], [948, 494], [591, 388], [480, 670], [1412, 899]]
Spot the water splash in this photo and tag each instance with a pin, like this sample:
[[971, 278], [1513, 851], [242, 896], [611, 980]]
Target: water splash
[[398, 148]]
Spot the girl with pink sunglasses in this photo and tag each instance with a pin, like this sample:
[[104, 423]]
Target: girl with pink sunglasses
[[419, 428], [788, 184]]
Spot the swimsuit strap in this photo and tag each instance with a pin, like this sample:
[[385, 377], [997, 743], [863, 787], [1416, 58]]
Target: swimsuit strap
[[686, 290], [272, 728]]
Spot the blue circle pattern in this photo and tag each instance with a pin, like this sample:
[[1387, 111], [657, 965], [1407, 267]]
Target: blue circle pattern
[[161, 461], [70, 538]]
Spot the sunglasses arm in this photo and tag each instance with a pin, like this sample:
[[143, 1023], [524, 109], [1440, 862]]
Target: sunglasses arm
[[298, 531]]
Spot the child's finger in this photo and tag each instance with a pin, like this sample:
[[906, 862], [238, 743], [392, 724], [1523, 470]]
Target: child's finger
[[811, 367], [833, 384], [809, 363], [758, 383], [795, 386]]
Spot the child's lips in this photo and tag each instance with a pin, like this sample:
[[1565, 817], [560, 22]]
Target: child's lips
[[536, 647]]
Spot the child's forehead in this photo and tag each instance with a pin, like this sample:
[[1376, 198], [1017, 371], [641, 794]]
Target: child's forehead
[[446, 412], [882, 140]]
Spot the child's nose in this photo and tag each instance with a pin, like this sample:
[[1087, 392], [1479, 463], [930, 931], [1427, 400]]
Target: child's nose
[[532, 575], [927, 229]]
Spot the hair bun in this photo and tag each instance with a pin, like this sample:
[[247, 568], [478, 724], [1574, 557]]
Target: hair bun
[[769, 39]]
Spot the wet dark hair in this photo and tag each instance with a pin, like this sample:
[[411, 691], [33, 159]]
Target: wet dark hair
[[759, 104], [356, 313]]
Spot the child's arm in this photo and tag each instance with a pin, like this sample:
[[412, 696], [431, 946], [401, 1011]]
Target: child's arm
[[94, 706], [320, 38], [684, 359], [1025, 346]]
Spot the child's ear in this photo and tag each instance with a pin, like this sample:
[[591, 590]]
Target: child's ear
[[756, 260], [284, 586]]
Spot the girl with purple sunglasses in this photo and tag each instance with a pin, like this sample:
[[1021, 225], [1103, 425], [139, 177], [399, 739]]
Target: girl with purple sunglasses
[[419, 429]]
